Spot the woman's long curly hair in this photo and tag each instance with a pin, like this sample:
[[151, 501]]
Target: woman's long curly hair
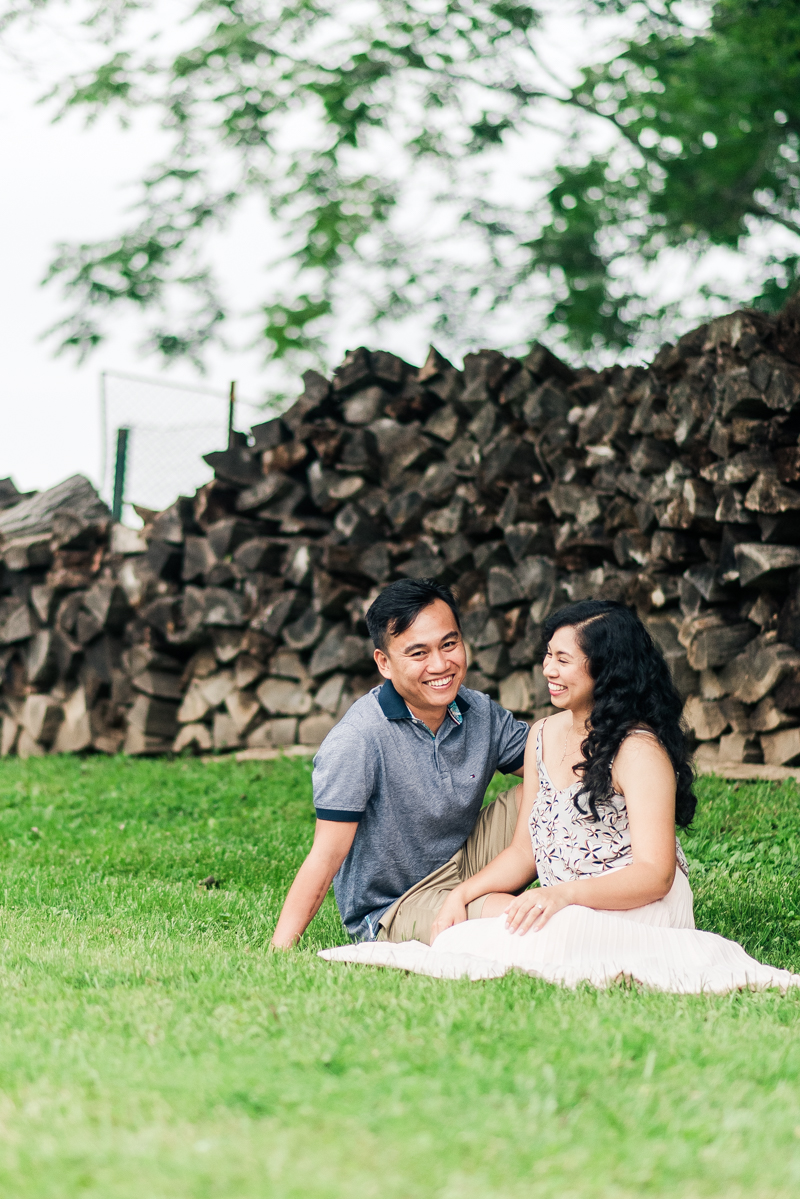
[[632, 689]]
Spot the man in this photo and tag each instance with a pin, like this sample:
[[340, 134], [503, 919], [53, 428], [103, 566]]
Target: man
[[399, 782]]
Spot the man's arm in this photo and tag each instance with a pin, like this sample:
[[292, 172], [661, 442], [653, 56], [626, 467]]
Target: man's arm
[[332, 841]]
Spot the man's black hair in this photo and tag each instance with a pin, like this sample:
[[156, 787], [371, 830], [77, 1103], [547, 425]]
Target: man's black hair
[[399, 605]]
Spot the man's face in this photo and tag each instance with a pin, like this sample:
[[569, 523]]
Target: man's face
[[427, 663]]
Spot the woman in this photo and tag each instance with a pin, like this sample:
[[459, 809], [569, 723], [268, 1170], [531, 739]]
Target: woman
[[606, 780]]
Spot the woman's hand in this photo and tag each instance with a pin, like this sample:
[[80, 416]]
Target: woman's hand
[[533, 909], [453, 911]]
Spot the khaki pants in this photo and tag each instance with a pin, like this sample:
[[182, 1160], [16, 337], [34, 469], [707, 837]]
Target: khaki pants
[[410, 918]]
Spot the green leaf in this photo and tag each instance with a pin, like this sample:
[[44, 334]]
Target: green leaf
[[286, 325]]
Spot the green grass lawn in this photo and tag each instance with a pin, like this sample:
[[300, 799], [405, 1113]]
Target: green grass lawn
[[151, 1046]]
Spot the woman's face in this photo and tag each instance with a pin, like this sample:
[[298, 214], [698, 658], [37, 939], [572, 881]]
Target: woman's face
[[566, 669]]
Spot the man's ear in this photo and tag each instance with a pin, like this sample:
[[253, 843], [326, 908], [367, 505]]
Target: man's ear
[[382, 662]]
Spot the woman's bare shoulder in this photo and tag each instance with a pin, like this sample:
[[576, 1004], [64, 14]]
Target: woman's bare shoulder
[[641, 748], [549, 725], [533, 733]]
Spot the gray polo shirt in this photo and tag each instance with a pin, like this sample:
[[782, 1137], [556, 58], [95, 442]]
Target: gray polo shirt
[[416, 797]]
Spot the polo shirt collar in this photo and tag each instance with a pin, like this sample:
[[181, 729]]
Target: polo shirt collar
[[394, 707]]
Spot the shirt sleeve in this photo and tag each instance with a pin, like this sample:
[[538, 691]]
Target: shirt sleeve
[[511, 739], [344, 776]]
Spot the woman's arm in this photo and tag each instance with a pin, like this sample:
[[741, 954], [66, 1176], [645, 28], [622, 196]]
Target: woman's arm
[[513, 868], [642, 773]]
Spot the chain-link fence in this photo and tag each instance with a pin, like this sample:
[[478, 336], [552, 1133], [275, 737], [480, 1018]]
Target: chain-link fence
[[154, 435]]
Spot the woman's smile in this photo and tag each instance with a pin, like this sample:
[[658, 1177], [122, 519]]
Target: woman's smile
[[566, 670]]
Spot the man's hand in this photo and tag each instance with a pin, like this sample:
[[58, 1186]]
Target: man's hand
[[332, 842], [452, 912]]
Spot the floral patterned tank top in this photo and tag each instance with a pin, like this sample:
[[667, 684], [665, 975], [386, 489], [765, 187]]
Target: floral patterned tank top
[[568, 845]]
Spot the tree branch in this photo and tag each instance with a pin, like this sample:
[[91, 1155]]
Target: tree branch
[[760, 210]]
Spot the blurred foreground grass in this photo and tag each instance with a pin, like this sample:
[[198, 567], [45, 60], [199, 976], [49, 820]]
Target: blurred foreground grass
[[151, 1046]]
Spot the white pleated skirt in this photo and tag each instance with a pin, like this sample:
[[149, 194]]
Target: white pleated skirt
[[656, 946]]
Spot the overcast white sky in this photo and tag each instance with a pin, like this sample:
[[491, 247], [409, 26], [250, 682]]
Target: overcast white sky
[[61, 182], [64, 182]]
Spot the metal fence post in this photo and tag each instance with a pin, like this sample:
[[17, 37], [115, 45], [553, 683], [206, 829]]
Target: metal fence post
[[119, 473], [103, 434], [231, 414]]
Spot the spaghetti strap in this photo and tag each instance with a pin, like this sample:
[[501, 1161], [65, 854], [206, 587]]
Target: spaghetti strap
[[642, 733], [539, 758]]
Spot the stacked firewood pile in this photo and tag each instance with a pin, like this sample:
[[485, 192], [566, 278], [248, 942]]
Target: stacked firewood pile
[[235, 619]]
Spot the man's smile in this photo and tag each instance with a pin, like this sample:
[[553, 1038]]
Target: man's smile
[[440, 684]]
